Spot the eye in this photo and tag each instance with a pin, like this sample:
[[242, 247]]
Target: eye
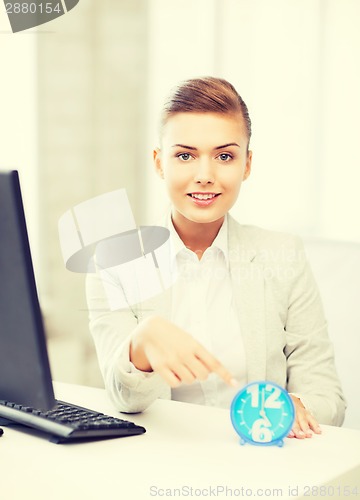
[[225, 157], [184, 156]]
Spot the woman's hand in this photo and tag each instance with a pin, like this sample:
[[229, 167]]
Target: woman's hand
[[160, 346], [305, 424]]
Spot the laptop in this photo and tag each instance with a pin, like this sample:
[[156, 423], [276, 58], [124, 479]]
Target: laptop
[[26, 390]]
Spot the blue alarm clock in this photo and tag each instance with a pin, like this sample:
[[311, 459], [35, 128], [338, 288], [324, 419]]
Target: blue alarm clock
[[262, 413]]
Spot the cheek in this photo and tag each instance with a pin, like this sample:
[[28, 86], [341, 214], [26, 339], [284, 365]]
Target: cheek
[[232, 179], [173, 185], [174, 178]]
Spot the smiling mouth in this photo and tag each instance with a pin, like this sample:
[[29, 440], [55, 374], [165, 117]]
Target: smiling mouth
[[203, 196]]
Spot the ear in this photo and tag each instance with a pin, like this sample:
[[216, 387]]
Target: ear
[[158, 163], [248, 166]]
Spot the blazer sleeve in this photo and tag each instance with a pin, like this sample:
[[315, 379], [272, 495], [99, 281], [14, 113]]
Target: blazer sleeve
[[130, 390], [311, 371]]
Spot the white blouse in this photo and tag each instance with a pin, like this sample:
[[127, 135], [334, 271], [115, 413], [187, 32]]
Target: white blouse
[[203, 305]]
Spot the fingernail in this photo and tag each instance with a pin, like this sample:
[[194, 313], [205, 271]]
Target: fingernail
[[234, 382]]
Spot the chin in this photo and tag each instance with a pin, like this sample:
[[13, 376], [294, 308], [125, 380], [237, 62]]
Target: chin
[[204, 218]]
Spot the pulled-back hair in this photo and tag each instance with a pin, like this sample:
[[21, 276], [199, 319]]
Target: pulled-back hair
[[206, 95]]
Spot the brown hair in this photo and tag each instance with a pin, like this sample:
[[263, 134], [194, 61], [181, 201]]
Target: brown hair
[[206, 95]]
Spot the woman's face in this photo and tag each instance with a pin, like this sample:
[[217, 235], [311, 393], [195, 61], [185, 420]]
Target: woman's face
[[203, 160]]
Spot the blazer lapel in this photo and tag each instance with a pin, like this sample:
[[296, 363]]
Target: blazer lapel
[[248, 285]]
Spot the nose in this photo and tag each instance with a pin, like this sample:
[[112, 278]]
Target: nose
[[204, 173]]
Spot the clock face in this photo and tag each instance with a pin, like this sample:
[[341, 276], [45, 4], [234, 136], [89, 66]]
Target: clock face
[[262, 413]]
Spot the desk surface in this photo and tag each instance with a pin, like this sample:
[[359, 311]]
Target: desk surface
[[188, 451]]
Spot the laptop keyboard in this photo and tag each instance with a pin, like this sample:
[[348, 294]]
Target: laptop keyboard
[[68, 423]]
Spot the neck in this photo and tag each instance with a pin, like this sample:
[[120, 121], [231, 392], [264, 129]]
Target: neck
[[195, 235]]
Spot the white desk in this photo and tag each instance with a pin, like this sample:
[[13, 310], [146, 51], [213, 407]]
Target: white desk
[[185, 446]]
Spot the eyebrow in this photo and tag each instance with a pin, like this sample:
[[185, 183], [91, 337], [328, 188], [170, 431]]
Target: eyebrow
[[195, 149], [184, 146], [227, 145]]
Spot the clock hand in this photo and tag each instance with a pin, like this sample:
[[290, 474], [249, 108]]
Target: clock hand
[[263, 415], [262, 411]]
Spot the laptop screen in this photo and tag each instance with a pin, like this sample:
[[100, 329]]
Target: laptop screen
[[25, 376]]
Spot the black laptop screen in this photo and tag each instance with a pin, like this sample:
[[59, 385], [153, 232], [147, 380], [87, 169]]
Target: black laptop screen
[[24, 366]]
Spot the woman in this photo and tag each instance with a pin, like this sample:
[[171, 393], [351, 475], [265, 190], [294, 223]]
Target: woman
[[245, 306]]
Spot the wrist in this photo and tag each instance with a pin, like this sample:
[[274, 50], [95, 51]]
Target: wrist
[[139, 359], [297, 397]]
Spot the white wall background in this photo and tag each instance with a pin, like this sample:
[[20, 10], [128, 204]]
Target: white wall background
[[18, 117], [297, 65]]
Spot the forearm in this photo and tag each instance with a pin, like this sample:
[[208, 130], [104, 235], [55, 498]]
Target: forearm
[[130, 389], [311, 370], [133, 392]]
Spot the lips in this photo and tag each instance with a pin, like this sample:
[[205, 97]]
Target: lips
[[203, 199], [203, 196]]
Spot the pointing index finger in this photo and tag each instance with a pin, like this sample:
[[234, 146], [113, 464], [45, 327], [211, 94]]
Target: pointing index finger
[[216, 367], [226, 376]]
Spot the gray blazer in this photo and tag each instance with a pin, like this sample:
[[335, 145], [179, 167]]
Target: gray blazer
[[281, 317]]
